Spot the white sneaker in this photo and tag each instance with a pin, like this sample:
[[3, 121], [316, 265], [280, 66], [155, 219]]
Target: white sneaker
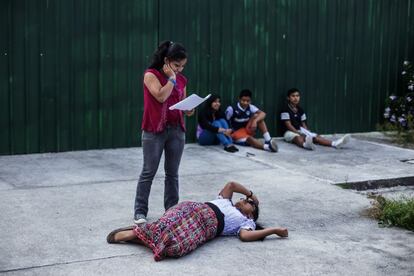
[[309, 143], [342, 141], [140, 219]]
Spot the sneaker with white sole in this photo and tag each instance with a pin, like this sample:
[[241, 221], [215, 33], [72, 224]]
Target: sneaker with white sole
[[309, 143], [140, 219], [342, 141], [272, 145]]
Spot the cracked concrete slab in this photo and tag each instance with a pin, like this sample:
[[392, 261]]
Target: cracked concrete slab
[[56, 210]]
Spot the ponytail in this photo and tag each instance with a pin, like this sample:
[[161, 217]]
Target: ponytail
[[255, 217], [167, 49]]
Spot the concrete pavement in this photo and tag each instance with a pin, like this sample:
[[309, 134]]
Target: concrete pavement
[[56, 210]]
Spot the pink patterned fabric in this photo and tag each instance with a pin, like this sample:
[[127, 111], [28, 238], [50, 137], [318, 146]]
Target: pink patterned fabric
[[157, 115], [180, 230]]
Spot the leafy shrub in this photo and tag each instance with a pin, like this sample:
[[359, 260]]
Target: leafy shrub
[[397, 212], [399, 110]]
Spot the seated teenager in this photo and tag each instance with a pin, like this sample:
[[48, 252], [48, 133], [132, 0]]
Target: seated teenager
[[296, 130], [188, 225], [245, 119], [212, 127]]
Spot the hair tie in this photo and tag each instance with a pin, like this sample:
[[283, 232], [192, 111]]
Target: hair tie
[[170, 47]]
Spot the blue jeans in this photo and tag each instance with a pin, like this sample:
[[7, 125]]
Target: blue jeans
[[210, 138], [171, 141]]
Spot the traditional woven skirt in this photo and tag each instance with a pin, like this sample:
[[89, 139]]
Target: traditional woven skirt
[[180, 230]]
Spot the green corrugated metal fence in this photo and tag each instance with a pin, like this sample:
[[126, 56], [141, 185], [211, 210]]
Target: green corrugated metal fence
[[70, 71]]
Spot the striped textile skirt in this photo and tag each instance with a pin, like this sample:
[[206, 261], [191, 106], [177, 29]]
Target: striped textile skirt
[[180, 230]]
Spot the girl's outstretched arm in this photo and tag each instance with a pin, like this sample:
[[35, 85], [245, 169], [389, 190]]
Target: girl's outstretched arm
[[254, 235]]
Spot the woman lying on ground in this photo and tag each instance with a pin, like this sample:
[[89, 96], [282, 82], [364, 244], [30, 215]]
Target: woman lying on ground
[[187, 225]]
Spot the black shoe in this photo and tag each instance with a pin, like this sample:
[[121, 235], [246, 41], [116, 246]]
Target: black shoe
[[272, 145], [231, 148]]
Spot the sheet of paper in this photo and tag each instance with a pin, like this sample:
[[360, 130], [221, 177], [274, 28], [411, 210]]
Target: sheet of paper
[[190, 102], [307, 132]]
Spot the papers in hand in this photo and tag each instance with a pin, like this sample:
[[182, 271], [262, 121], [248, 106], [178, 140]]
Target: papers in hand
[[190, 102], [306, 132]]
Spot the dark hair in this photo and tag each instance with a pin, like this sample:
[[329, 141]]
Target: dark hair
[[255, 217], [245, 93], [209, 101], [256, 211], [167, 49], [291, 91]]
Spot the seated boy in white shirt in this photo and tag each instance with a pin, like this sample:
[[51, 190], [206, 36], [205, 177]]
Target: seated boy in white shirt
[[296, 131]]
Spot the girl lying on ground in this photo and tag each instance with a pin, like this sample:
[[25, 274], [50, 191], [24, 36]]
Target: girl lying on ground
[[187, 225]]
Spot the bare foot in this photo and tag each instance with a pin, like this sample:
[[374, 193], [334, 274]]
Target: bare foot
[[128, 236], [138, 241], [124, 236]]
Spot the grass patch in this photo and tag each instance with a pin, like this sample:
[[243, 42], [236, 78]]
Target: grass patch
[[393, 212], [344, 185], [402, 137]]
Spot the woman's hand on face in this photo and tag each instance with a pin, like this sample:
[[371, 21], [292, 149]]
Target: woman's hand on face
[[254, 198], [189, 112], [168, 71]]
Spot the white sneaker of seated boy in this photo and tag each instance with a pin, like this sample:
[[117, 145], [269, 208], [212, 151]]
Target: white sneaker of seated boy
[[309, 143], [341, 141]]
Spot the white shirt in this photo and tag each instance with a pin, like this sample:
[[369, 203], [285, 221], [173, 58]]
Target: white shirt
[[234, 220]]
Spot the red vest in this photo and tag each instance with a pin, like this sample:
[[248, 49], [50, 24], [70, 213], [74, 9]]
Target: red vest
[[157, 115]]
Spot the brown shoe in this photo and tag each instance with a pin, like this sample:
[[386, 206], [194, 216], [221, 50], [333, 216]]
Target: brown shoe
[[111, 236]]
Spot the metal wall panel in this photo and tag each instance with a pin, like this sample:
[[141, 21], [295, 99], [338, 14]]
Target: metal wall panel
[[71, 71]]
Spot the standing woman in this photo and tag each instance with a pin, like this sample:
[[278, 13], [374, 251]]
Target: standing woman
[[163, 130]]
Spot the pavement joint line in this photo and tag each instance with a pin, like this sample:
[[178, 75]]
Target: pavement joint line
[[65, 263], [388, 146], [272, 166], [7, 183], [72, 184], [100, 182], [243, 156], [293, 171]]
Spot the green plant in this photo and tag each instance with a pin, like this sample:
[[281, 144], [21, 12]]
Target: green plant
[[399, 110], [397, 212]]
